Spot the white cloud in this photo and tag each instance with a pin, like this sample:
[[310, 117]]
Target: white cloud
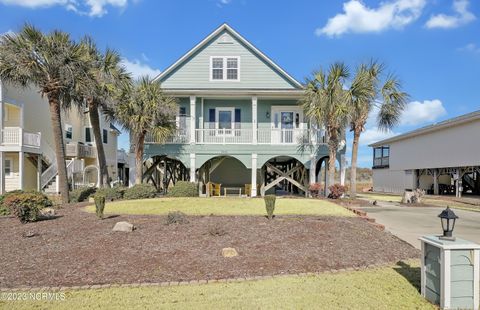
[[358, 18], [471, 48], [418, 112], [222, 3], [94, 8], [374, 134], [462, 16], [139, 69]]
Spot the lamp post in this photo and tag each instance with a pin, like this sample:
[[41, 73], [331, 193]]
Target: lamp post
[[448, 218]]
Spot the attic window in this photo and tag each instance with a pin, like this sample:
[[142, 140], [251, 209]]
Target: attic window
[[225, 68], [225, 39]]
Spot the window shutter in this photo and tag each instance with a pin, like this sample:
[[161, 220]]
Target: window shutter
[[211, 118], [238, 121]]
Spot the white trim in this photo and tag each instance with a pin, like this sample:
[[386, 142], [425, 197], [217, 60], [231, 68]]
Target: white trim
[[286, 108], [217, 118], [476, 278], [67, 126], [224, 69], [241, 39], [10, 160]]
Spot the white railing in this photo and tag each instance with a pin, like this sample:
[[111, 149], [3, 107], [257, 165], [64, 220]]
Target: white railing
[[49, 174], [75, 149], [16, 136], [223, 136], [272, 136], [179, 136]]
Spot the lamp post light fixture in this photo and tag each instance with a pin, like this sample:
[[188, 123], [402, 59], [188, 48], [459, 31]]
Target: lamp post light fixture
[[448, 218]]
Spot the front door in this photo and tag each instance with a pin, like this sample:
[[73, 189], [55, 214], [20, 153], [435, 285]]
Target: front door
[[286, 122]]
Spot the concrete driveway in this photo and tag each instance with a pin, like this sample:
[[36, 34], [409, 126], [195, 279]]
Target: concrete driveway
[[409, 223]]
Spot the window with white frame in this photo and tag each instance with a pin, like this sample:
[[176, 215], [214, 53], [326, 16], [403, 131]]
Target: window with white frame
[[7, 167], [88, 135], [225, 68], [225, 119], [105, 136], [68, 131]]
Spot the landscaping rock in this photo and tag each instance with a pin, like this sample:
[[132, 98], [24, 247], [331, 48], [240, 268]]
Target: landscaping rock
[[123, 226], [229, 252], [47, 212], [413, 197]]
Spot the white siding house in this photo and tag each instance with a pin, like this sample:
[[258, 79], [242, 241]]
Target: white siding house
[[442, 158]]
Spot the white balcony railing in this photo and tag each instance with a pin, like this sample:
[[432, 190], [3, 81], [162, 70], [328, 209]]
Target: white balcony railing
[[75, 149], [16, 136], [272, 136]]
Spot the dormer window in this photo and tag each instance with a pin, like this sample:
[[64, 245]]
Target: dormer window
[[225, 68]]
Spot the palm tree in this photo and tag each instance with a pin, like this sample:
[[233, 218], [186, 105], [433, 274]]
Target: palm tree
[[324, 101], [364, 95], [109, 76], [145, 109], [56, 66]]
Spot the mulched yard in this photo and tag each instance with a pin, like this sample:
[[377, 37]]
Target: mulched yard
[[78, 249]]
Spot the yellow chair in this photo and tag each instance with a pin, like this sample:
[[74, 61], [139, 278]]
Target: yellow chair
[[248, 189], [214, 189]]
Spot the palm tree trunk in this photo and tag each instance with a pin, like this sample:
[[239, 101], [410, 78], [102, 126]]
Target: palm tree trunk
[[353, 171], [332, 154], [97, 134], [55, 116], [139, 145]]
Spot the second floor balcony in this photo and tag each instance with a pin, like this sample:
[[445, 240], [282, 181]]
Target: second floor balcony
[[269, 136], [17, 136], [79, 150]]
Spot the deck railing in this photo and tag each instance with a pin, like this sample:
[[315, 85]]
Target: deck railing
[[75, 149], [272, 136], [16, 136]]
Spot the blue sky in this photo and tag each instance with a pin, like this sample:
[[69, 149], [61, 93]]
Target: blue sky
[[433, 46]]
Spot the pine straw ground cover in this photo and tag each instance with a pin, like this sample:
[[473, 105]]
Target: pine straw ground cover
[[78, 249]]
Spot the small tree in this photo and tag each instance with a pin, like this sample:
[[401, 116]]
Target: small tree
[[270, 205], [145, 109]]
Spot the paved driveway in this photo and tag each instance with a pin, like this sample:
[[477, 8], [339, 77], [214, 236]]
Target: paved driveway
[[409, 223]]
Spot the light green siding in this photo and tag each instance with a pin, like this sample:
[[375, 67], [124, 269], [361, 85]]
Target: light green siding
[[255, 73], [432, 272], [461, 279]]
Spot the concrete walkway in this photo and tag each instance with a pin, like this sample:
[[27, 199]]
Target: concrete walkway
[[409, 223]]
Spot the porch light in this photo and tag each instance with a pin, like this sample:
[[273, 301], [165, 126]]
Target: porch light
[[267, 115], [448, 218]]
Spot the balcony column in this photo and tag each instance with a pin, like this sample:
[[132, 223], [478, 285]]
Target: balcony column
[[39, 172], [343, 168], [193, 110], [2, 173], [435, 182], [254, 122], [253, 192], [21, 167], [201, 121], [313, 168], [193, 175]]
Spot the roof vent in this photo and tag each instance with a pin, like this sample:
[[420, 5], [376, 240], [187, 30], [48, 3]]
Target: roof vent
[[225, 39]]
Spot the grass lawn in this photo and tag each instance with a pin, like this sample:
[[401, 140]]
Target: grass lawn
[[224, 206], [385, 288], [427, 200]]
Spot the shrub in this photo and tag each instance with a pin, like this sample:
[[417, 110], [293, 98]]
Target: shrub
[[270, 205], [176, 217], [112, 193], [26, 205], [184, 189], [315, 189], [99, 205], [216, 231], [336, 191], [140, 191], [82, 193]]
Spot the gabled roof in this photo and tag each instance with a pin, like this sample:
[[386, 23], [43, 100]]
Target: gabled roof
[[235, 34], [469, 117]]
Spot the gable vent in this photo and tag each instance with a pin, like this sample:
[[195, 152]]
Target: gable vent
[[225, 39]]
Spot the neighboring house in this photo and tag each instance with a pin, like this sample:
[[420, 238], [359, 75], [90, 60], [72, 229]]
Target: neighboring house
[[442, 158], [239, 123], [27, 145], [123, 168]]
